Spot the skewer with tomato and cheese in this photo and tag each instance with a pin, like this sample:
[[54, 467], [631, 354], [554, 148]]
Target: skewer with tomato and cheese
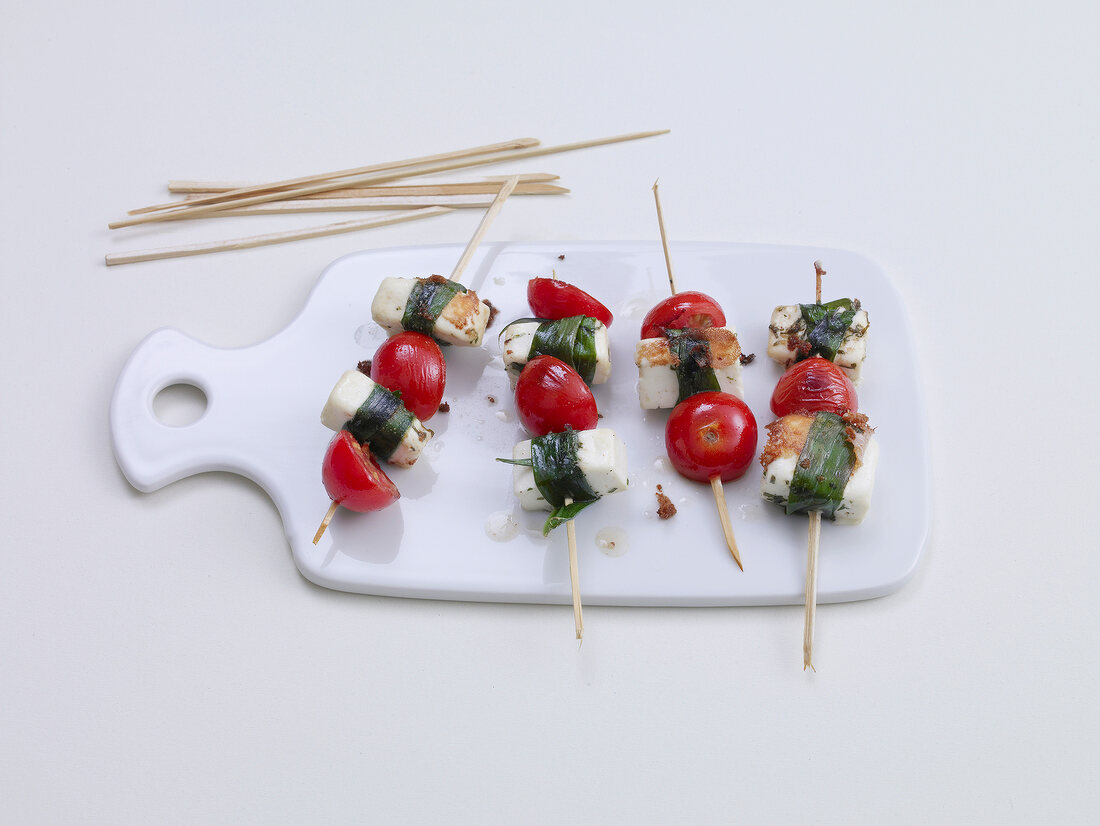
[[822, 461], [375, 417], [836, 331]]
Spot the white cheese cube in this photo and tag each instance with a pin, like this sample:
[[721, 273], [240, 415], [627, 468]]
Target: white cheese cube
[[462, 322], [601, 456], [351, 390], [658, 385], [856, 498], [787, 321], [518, 337]]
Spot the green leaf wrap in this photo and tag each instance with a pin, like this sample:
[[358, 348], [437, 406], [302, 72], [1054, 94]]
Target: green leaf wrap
[[557, 474], [426, 301], [380, 422], [823, 468], [693, 373], [563, 514], [573, 340], [826, 326]]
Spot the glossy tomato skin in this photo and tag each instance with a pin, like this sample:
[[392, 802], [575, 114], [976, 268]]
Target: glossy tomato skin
[[711, 434], [553, 299], [682, 311], [551, 395], [353, 478], [412, 364], [814, 384]]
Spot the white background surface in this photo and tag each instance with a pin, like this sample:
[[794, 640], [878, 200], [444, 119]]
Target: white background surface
[[161, 660]]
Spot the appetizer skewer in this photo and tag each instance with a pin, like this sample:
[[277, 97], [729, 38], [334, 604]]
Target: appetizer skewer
[[820, 456], [688, 360], [569, 464]]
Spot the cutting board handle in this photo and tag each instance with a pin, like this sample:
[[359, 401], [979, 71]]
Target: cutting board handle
[[153, 454]]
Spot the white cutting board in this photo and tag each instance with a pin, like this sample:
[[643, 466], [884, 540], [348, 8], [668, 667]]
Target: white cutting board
[[448, 536]]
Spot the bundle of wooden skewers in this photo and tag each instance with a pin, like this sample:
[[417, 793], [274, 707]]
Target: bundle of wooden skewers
[[365, 188]]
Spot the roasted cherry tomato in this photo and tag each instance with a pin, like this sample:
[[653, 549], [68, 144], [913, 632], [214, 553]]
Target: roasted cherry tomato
[[682, 311], [552, 299], [412, 364], [353, 478], [811, 385], [551, 395], [711, 434]]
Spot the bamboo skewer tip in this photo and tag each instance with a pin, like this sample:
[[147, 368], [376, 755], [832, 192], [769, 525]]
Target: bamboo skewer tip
[[813, 543], [324, 522], [574, 575], [724, 517]]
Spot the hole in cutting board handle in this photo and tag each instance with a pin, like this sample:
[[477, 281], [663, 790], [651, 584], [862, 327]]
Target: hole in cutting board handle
[[179, 405]]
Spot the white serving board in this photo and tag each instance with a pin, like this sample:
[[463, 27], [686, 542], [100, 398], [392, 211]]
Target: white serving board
[[262, 421]]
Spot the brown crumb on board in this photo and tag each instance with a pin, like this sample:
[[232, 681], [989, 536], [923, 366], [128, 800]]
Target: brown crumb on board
[[493, 311], [364, 367], [492, 399], [665, 508], [747, 358], [561, 257], [444, 407]]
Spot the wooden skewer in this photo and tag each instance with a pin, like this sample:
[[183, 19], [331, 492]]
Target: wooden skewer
[[271, 238], [290, 183], [811, 589], [485, 185], [378, 177], [715, 481], [724, 516], [664, 238], [813, 544], [574, 576], [324, 522], [486, 220], [356, 205]]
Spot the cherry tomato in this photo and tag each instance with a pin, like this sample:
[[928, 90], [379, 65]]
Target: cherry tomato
[[552, 299], [711, 434], [412, 364], [682, 311], [353, 478], [811, 385], [551, 395]]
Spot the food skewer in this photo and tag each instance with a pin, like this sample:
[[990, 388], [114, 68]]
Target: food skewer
[[375, 415], [820, 456], [251, 241], [715, 481], [229, 199]]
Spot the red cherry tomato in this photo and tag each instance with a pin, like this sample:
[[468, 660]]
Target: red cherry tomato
[[552, 299], [682, 311], [711, 434], [811, 385], [412, 364], [551, 395], [353, 478]]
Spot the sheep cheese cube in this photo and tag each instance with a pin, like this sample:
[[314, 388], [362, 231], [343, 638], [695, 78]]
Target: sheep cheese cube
[[518, 337], [351, 390], [658, 384], [601, 456], [787, 322], [783, 449], [462, 322]]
